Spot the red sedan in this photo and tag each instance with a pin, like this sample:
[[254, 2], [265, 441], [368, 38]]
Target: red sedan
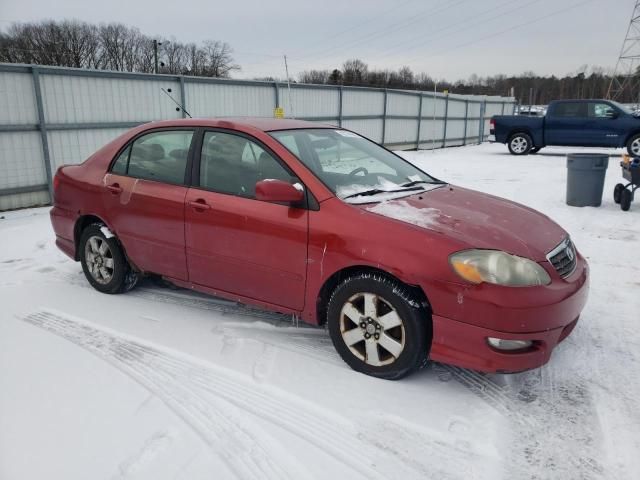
[[319, 222]]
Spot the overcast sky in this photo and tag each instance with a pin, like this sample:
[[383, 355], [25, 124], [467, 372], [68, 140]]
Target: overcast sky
[[449, 39]]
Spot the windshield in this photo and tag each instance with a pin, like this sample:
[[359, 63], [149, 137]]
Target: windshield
[[624, 108], [354, 168]]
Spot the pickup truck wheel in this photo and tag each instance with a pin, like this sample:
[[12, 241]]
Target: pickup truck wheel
[[633, 146], [520, 144], [378, 326]]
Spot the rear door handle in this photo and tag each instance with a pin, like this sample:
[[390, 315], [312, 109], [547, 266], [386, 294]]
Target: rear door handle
[[115, 188], [199, 204]]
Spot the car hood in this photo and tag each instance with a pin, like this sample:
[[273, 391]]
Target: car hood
[[477, 219]]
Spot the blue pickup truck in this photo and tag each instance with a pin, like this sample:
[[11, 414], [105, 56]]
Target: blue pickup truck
[[571, 123]]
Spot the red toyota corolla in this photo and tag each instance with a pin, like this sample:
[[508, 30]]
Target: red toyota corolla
[[320, 222]]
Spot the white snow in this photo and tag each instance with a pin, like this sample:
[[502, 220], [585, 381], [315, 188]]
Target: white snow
[[161, 383], [403, 211]]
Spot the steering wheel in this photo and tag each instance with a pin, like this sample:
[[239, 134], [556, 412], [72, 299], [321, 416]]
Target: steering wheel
[[358, 170]]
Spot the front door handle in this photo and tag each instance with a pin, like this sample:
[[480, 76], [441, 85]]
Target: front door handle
[[199, 204], [114, 188]]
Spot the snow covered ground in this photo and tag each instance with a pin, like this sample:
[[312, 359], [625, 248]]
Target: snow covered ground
[[162, 383]]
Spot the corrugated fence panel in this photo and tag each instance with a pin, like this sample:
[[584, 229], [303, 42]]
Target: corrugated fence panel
[[371, 129], [220, 100], [456, 108], [401, 104], [22, 200], [21, 160], [362, 102], [17, 99], [81, 99], [86, 109], [310, 102], [74, 146], [429, 131], [401, 133], [428, 107]]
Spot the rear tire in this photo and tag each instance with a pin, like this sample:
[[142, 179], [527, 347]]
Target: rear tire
[[378, 326], [625, 200], [104, 263], [520, 144], [633, 146]]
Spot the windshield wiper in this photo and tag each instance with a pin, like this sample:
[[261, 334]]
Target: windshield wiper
[[375, 191], [418, 182]]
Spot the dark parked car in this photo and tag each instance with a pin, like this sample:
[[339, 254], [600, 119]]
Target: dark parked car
[[571, 123], [319, 222]]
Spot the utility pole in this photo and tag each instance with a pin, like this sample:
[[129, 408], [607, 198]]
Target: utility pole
[[286, 68], [626, 73], [156, 43]]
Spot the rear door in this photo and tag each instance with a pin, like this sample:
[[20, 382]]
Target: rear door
[[566, 124], [144, 195], [235, 243]]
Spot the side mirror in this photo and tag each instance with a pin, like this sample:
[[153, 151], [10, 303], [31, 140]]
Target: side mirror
[[613, 115], [270, 190]]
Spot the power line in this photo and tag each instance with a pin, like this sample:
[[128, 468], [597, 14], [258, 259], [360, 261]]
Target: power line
[[385, 32], [495, 34], [473, 19]]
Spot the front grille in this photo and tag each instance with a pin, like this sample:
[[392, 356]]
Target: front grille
[[563, 258]]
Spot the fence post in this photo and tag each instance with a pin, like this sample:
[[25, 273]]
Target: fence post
[[276, 92], [502, 109], [419, 123], [42, 127], [466, 116], [446, 115], [384, 117], [483, 107], [340, 106], [183, 97]]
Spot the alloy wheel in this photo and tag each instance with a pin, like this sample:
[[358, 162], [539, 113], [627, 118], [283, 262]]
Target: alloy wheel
[[519, 144], [372, 329], [99, 259]]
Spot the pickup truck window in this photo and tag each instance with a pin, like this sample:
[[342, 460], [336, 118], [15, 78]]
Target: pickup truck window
[[570, 110], [601, 110]]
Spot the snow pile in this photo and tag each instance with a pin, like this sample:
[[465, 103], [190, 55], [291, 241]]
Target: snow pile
[[403, 211]]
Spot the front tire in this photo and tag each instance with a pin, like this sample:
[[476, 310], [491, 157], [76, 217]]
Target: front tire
[[378, 326], [625, 200], [633, 146], [104, 263], [520, 144]]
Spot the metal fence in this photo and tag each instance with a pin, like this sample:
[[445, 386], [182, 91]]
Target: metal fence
[[51, 116]]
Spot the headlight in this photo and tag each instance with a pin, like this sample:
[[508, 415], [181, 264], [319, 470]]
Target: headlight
[[500, 268]]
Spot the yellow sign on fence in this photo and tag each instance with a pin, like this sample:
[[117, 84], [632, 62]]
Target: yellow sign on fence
[[278, 112]]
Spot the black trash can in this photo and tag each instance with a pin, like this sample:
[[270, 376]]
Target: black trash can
[[585, 178]]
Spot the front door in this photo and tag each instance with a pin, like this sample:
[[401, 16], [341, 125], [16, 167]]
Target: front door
[[235, 243], [144, 195]]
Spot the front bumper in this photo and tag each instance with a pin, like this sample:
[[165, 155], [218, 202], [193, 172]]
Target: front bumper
[[466, 346], [545, 318]]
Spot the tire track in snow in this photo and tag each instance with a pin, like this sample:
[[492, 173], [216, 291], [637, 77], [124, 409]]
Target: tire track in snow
[[214, 402], [544, 413]]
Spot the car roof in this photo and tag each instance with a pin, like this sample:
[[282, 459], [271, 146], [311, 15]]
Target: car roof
[[265, 124]]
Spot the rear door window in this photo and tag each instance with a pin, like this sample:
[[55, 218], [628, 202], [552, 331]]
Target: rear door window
[[570, 110], [160, 156]]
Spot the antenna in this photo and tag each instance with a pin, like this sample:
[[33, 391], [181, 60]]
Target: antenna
[[180, 107], [626, 74], [286, 68]]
